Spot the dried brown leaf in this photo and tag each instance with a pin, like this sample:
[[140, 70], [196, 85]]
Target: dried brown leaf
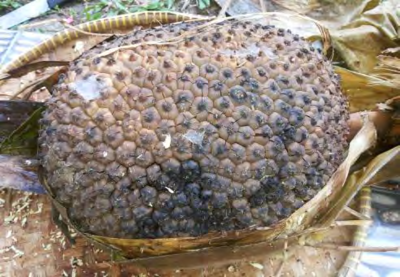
[[332, 14], [364, 92], [390, 51], [19, 72], [388, 69], [360, 41], [299, 6], [388, 164]]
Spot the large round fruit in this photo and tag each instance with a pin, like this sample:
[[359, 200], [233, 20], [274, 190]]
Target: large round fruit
[[218, 128]]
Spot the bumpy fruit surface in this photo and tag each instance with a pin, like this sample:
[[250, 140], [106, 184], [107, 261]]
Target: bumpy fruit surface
[[217, 128]]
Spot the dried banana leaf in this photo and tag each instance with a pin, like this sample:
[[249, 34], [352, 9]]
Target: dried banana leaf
[[369, 29], [333, 14], [388, 69], [359, 46], [19, 88], [364, 92], [384, 167], [19, 127], [19, 72]]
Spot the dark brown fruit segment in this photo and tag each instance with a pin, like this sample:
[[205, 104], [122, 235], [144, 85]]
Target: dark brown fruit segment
[[228, 126]]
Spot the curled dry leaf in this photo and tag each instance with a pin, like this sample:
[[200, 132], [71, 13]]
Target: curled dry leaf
[[365, 91], [20, 137], [381, 119], [388, 69], [335, 14], [332, 14], [21, 87], [19, 72], [360, 41], [383, 168], [359, 46], [300, 6], [391, 51]]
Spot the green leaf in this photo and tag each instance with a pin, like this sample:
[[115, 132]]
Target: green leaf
[[15, 5], [120, 7], [112, 13], [154, 6], [170, 4], [134, 9], [202, 4], [96, 15]]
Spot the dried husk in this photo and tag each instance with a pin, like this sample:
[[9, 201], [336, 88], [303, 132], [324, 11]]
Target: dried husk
[[365, 91], [316, 215]]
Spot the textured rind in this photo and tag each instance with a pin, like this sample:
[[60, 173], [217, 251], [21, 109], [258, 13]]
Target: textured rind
[[231, 125]]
